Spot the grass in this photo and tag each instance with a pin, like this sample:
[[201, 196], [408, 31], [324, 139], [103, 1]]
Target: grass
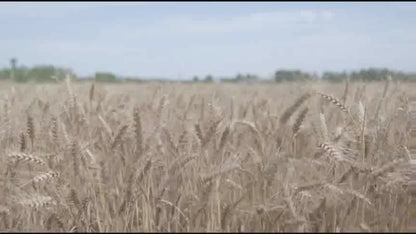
[[205, 158]]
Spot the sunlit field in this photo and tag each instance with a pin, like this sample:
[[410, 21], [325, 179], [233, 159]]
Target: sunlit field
[[281, 157]]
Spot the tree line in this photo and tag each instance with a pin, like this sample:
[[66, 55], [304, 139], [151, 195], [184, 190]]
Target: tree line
[[50, 73]]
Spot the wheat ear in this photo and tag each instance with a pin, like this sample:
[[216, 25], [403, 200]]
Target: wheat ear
[[335, 101]]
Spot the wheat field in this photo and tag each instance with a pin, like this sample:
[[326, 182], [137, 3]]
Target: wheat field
[[303, 157]]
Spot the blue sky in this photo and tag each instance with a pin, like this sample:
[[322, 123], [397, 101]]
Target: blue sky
[[183, 39]]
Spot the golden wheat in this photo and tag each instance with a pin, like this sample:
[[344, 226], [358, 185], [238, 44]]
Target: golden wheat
[[96, 157]]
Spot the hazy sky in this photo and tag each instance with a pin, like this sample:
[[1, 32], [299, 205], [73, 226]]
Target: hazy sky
[[198, 38]]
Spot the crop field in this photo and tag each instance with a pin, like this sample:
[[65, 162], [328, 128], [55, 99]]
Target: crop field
[[312, 156]]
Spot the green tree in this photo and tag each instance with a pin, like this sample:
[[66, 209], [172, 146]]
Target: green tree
[[21, 74], [105, 77], [195, 79], [291, 75], [5, 73], [370, 74], [251, 77], [42, 73], [334, 76]]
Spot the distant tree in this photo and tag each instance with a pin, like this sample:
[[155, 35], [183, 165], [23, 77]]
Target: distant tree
[[239, 77], [410, 76], [21, 74], [227, 80], [42, 73], [251, 77], [208, 79], [105, 77], [334, 76], [5, 73], [195, 79], [291, 75], [370, 74]]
